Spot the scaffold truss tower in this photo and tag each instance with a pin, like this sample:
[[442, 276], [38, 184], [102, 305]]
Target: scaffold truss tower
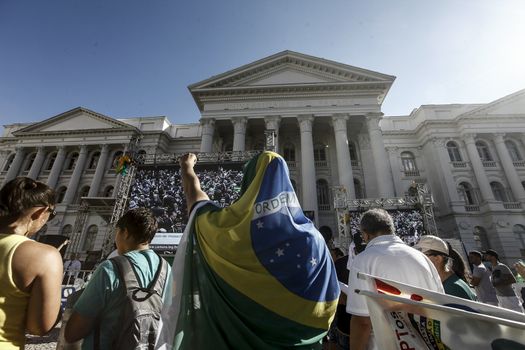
[[419, 198], [122, 197]]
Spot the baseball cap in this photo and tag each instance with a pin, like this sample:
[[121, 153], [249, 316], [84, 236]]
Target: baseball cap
[[434, 243], [491, 252]]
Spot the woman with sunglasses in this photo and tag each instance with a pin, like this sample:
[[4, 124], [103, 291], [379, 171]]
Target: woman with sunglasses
[[30, 272], [449, 264]]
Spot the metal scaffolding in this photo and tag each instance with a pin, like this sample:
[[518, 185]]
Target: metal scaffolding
[[420, 198], [122, 197]]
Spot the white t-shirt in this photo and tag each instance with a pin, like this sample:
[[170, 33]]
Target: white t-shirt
[[72, 267], [389, 257]]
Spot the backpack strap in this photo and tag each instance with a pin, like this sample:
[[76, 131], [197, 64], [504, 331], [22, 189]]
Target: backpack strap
[[128, 276], [159, 281], [126, 272]]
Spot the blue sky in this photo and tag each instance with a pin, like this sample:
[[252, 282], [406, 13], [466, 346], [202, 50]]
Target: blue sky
[[126, 58]]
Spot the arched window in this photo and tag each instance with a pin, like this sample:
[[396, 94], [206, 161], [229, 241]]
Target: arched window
[[289, 152], [66, 230], [467, 193], [60, 194], [358, 188], [323, 197], [72, 161], [519, 231], [9, 161], [480, 235], [483, 151], [108, 191], [93, 161], [498, 191], [84, 191], [91, 235], [409, 161], [320, 153], [453, 152], [513, 151], [29, 161], [116, 156], [51, 161]]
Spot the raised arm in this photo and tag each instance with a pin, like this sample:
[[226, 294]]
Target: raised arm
[[37, 269], [190, 181]]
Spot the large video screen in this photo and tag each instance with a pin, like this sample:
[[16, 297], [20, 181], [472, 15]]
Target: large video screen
[[160, 189], [408, 224]]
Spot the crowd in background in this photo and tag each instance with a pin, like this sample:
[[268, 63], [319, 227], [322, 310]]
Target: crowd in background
[[161, 191], [408, 224]]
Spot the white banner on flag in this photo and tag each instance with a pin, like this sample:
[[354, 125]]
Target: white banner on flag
[[386, 286], [403, 324]]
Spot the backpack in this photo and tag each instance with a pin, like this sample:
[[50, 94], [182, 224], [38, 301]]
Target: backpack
[[139, 320]]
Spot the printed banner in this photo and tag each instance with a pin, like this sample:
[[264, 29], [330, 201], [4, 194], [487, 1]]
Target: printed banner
[[405, 317]]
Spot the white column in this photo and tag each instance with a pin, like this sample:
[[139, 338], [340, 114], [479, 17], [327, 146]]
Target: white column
[[14, 169], [56, 169], [239, 134], [444, 165], [309, 188], [37, 163], [75, 177], [344, 165], [384, 179], [508, 167], [99, 172], [393, 154], [477, 166], [273, 123], [208, 128]]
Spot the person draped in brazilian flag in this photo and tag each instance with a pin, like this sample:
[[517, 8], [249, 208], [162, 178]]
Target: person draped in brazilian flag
[[254, 275]]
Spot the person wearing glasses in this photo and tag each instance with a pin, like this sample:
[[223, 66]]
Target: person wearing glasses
[[30, 272], [449, 264]]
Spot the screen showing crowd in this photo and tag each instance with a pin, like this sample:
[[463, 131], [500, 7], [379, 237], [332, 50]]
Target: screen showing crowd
[[408, 224], [160, 189]]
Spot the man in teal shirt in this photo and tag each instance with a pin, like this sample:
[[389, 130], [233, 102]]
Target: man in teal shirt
[[101, 303]]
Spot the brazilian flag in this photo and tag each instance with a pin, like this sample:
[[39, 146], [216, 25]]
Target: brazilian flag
[[255, 275]]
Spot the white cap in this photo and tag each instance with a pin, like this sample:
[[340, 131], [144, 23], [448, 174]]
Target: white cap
[[434, 243]]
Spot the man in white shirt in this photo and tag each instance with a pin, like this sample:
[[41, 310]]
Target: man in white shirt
[[387, 256], [72, 268]]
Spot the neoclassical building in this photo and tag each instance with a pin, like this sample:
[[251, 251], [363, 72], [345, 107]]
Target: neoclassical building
[[329, 127]]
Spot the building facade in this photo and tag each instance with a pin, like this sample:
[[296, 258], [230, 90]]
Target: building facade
[[329, 127]]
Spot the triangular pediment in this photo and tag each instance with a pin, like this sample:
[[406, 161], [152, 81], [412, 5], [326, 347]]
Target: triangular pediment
[[76, 120], [291, 68], [507, 105]]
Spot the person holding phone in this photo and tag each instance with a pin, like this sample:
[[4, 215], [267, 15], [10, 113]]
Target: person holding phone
[[30, 272]]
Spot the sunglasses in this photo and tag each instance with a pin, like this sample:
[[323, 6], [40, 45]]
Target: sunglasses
[[433, 254], [52, 213]]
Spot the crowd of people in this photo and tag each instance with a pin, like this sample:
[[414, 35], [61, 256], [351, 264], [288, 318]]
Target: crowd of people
[[390, 245], [408, 224], [161, 191]]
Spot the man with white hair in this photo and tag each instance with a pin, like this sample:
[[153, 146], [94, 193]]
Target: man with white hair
[[387, 256]]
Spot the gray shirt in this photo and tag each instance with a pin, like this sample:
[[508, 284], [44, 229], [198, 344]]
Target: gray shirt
[[499, 272], [484, 290]]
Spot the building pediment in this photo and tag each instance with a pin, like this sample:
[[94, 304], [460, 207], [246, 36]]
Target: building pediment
[[507, 105], [290, 72], [77, 120], [299, 68]]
